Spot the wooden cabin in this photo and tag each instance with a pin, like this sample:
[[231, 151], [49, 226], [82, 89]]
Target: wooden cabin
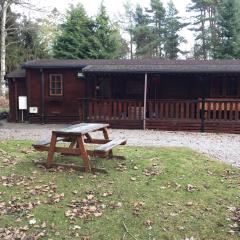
[[189, 95]]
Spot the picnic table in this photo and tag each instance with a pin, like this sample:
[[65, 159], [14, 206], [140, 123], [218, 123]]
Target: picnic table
[[78, 136]]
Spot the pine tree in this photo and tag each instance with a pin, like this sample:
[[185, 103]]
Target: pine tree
[[142, 34], [83, 38], [204, 26], [158, 21], [173, 25], [128, 24], [228, 25], [106, 38], [75, 38]]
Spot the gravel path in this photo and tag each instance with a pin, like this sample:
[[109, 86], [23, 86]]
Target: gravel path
[[224, 147]]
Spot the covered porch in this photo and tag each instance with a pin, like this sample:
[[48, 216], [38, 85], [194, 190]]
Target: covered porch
[[207, 102]]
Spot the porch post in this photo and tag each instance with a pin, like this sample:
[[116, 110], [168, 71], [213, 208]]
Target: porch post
[[145, 101], [42, 96], [203, 82]]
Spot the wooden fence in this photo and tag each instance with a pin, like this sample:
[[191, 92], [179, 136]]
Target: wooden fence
[[200, 110]]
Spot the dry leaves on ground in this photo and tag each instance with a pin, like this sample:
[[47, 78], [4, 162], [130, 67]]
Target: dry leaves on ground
[[15, 180], [137, 206], [235, 227], [152, 171], [16, 207], [12, 233], [85, 208]]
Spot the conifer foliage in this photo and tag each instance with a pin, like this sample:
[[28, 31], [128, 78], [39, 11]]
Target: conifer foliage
[[82, 37]]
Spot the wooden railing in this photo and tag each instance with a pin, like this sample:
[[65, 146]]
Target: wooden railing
[[114, 109], [173, 109], [201, 109], [221, 110]]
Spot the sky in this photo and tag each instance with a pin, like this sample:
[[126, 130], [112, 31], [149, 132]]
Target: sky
[[114, 8]]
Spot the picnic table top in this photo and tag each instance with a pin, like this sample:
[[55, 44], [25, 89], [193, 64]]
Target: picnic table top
[[81, 128]]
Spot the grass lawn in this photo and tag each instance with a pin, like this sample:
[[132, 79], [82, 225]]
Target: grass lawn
[[157, 193]]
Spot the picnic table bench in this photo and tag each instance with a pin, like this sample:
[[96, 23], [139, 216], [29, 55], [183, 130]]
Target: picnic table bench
[[78, 135]]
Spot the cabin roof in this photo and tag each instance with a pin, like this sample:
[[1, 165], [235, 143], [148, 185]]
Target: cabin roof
[[164, 68], [18, 73], [139, 65]]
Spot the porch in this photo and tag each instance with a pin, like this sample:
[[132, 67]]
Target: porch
[[206, 115]]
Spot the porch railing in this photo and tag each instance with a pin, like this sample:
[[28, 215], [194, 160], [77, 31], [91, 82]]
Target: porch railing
[[221, 110], [200, 109], [173, 109], [96, 109]]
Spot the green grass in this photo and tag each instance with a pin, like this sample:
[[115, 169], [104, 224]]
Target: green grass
[[162, 201]]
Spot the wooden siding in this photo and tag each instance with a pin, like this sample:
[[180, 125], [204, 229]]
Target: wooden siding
[[174, 101], [17, 87], [56, 108]]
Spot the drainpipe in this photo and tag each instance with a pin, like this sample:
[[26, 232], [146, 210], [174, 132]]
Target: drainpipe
[[42, 96], [145, 101]]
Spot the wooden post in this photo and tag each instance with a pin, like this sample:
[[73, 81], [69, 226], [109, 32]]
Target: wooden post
[[203, 114], [145, 101], [203, 82], [42, 96], [16, 98]]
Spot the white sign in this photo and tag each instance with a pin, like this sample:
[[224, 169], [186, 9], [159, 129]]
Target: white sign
[[33, 109], [22, 102]]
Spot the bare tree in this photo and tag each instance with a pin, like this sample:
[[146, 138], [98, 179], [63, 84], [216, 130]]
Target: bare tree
[[4, 6], [5, 30]]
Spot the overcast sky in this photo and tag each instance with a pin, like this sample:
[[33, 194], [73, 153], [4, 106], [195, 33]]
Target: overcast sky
[[114, 8]]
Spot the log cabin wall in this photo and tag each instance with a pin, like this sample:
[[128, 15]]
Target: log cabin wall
[[64, 108], [127, 87], [17, 87]]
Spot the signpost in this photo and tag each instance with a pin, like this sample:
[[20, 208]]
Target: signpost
[[22, 105]]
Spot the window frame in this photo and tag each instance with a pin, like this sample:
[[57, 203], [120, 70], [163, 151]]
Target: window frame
[[51, 94]]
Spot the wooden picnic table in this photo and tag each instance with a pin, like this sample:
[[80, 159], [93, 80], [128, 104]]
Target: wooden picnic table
[[78, 135]]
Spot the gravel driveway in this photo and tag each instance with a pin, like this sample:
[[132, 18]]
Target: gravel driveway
[[225, 147]]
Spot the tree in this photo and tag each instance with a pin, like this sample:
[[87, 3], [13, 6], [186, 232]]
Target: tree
[[143, 34], [173, 25], [28, 41], [228, 25], [158, 30], [5, 30], [5, 4], [128, 23], [204, 26], [75, 38], [107, 39], [81, 37]]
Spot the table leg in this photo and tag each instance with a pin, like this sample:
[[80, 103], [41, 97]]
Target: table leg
[[72, 144], [84, 155], [51, 150], [106, 137]]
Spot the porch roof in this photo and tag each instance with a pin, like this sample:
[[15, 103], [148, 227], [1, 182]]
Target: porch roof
[[169, 67], [18, 73]]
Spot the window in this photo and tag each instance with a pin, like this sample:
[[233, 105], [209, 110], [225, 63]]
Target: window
[[56, 85]]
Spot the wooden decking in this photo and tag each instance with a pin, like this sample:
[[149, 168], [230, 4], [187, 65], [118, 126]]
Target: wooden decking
[[207, 115]]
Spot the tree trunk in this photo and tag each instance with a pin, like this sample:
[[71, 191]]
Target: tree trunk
[[3, 47]]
